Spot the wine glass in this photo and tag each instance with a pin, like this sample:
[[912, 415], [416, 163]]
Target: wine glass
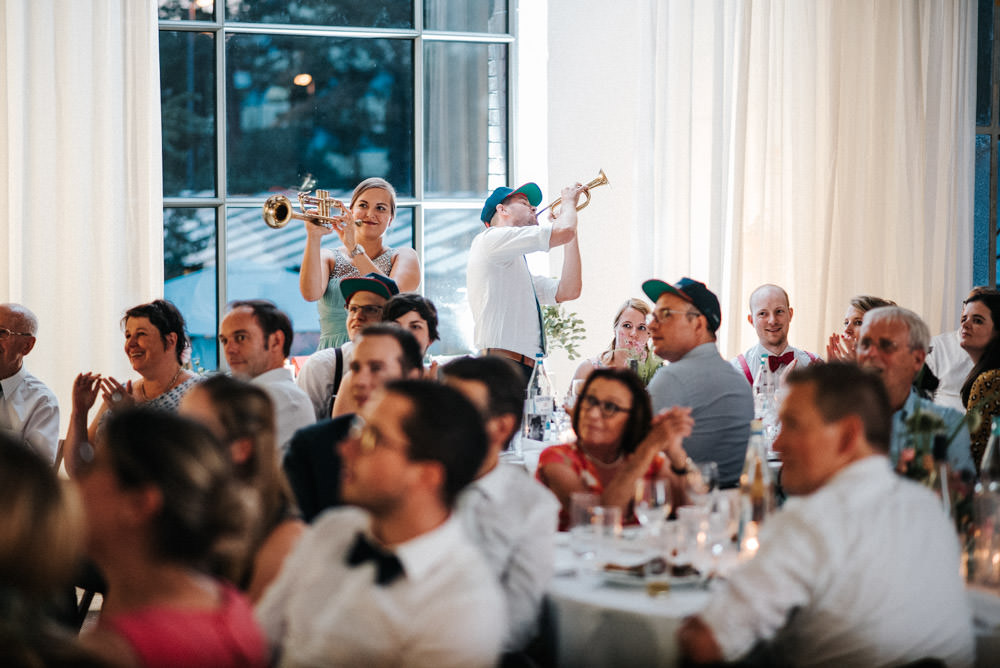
[[702, 481], [651, 503]]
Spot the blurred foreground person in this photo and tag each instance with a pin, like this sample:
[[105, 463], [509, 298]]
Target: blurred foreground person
[[861, 568], [510, 516], [394, 581], [162, 504], [41, 542], [241, 416]]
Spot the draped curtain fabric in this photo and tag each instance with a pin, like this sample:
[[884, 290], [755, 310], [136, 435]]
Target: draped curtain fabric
[[825, 146], [81, 218]]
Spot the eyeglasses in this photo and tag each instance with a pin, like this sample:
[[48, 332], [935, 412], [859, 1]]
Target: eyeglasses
[[369, 438], [368, 310], [664, 313], [885, 346], [7, 333], [608, 408]]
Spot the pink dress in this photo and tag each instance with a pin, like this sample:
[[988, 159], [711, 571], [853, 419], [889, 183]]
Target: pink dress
[[570, 455], [164, 637]]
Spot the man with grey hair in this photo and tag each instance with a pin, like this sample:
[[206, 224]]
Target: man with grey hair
[[893, 343], [29, 411]]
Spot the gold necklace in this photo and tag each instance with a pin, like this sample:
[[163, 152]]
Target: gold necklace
[[142, 388]]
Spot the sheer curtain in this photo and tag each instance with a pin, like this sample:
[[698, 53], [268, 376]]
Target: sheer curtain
[[826, 146], [81, 217]]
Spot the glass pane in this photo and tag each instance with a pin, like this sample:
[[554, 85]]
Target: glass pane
[[263, 263], [350, 116], [466, 15], [187, 108], [981, 224], [370, 14], [447, 237], [189, 277], [465, 127], [984, 63], [190, 10]]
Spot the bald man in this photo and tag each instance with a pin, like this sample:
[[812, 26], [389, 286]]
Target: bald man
[[771, 316], [29, 411]]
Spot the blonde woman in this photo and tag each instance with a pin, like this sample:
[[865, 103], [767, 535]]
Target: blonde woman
[[629, 349]]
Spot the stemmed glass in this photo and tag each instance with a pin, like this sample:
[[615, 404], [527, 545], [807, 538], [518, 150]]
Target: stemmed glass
[[702, 483], [651, 503]]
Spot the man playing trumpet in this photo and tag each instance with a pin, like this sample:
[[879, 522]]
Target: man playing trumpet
[[504, 296]]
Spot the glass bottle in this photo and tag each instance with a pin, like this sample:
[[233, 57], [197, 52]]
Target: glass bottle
[[756, 490], [540, 402], [984, 561]]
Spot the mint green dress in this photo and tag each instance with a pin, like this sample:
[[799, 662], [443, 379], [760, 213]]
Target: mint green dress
[[332, 316]]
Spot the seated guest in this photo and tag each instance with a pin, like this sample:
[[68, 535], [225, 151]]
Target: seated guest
[[861, 568], [155, 339], [415, 314], [321, 375], [893, 343], [770, 314], [29, 411], [394, 581], [629, 349], [241, 416], [161, 501], [617, 442], [951, 364], [256, 338], [382, 352], [980, 338], [508, 515], [685, 320], [841, 346], [41, 541]]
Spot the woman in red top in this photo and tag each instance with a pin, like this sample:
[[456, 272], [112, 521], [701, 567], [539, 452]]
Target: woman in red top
[[618, 442], [161, 503]]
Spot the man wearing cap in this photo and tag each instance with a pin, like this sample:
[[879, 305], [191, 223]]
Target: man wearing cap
[[685, 319], [321, 374], [771, 316], [504, 296]]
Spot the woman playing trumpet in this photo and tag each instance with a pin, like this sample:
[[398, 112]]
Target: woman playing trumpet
[[372, 209]]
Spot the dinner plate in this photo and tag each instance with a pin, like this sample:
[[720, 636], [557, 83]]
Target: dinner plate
[[625, 579]]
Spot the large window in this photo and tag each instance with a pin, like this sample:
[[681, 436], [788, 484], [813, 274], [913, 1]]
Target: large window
[[267, 96], [985, 257]]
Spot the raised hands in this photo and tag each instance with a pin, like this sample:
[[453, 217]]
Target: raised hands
[[117, 395], [840, 348]]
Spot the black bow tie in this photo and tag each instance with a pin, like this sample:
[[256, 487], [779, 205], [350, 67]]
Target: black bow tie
[[387, 565]]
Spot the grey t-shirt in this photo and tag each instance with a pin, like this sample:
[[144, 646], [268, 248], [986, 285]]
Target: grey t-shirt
[[721, 404]]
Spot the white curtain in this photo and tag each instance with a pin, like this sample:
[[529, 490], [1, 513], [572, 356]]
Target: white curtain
[[81, 217], [826, 146]]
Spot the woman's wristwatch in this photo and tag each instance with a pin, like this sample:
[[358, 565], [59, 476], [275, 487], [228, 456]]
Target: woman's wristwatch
[[358, 250]]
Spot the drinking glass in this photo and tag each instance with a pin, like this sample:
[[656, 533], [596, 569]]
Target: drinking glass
[[651, 503], [702, 483], [582, 534]]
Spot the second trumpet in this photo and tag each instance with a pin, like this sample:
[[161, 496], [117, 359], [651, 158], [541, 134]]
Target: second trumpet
[[601, 180]]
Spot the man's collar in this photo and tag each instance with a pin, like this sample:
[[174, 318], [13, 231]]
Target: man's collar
[[11, 382], [909, 405]]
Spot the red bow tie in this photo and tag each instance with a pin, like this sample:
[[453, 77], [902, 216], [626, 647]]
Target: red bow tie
[[777, 361]]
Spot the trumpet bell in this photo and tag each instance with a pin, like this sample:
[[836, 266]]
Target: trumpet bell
[[277, 211]]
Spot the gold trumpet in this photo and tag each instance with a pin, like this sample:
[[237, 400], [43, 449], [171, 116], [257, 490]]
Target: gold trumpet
[[278, 210], [601, 180]]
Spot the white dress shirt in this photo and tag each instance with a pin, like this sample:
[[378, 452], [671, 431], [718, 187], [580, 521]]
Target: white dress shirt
[[292, 408], [752, 356], [863, 572], [317, 375], [501, 289], [951, 364], [512, 518], [29, 413], [446, 610]]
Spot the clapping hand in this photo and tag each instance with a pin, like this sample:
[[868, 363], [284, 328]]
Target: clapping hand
[[117, 395], [85, 389], [840, 349]]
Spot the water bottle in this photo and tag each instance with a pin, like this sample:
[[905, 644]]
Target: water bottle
[[540, 402], [756, 490], [765, 387]]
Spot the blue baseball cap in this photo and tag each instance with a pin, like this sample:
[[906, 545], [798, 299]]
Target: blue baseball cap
[[373, 282], [531, 190], [693, 292]]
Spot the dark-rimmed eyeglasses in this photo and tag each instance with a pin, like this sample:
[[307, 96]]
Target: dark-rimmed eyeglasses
[[608, 408], [7, 333], [662, 314], [367, 310]]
